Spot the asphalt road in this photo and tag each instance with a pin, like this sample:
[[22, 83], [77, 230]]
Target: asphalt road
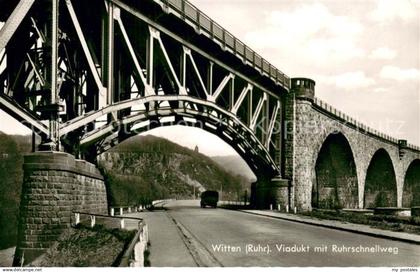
[[232, 238]]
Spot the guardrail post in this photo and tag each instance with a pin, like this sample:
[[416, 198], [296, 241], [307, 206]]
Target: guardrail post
[[271, 207], [112, 212], [141, 236], [183, 9], [146, 233], [198, 26], [278, 207], [121, 211], [129, 209], [295, 210], [92, 221], [287, 208], [77, 218], [122, 224], [139, 249]]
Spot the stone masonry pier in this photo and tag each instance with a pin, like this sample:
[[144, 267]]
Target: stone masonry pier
[[54, 185]]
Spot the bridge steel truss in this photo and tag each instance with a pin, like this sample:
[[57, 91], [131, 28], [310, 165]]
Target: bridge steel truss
[[86, 75]]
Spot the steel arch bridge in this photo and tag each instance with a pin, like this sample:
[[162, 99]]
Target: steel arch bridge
[[86, 75]]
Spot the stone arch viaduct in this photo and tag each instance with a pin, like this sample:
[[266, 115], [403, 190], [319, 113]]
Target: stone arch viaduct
[[86, 75], [332, 160]]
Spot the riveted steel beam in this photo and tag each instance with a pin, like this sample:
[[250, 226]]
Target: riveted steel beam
[[197, 72], [14, 21], [221, 86], [139, 69], [241, 98], [257, 111], [22, 115], [83, 43], [178, 38], [156, 35], [257, 148], [273, 120]]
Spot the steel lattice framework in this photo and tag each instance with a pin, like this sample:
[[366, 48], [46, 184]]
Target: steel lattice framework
[[86, 75]]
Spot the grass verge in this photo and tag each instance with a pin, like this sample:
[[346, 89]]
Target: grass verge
[[385, 222], [88, 247]]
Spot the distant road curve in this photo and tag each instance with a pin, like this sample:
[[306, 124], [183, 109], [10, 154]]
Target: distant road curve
[[238, 239]]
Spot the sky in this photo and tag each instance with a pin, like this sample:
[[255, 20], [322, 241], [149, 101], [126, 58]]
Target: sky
[[363, 54]]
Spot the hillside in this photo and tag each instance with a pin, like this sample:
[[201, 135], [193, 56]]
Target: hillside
[[139, 170], [236, 165], [156, 168], [11, 174]]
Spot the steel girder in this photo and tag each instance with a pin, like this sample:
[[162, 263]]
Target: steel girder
[[210, 117], [94, 69]]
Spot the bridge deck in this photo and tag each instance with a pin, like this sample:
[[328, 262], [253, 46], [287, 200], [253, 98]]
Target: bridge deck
[[206, 26]]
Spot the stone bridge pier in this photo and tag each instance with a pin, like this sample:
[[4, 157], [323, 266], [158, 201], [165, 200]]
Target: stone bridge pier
[[54, 185], [334, 161], [270, 191]]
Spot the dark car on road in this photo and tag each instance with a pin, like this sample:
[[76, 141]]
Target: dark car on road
[[209, 198]]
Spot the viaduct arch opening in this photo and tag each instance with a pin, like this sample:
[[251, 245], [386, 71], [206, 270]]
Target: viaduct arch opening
[[411, 192], [160, 163], [200, 115], [380, 184], [335, 185]]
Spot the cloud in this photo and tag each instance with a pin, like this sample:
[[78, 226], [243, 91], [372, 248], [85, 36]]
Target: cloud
[[380, 90], [390, 10], [383, 53], [399, 74], [348, 81], [311, 30]]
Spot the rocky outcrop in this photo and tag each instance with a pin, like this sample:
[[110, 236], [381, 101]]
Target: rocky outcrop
[[157, 168]]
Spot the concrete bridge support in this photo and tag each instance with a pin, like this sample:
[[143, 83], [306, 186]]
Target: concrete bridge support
[[54, 185]]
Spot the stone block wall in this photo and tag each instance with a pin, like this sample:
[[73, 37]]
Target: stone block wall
[[312, 124], [55, 184], [273, 191]]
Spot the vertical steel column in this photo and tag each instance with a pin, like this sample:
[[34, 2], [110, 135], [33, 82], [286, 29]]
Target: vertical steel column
[[210, 78], [279, 141], [149, 66], [183, 72], [250, 113], [149, 62], [231, 94], [54, 123], [110, 54], [266, 120]]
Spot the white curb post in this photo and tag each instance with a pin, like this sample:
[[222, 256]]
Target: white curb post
[[112, 212], [278, 207], [271, 207], [295, 209], [92, 221], [121, 211], [122, 224], [77, 218], [287, 208]]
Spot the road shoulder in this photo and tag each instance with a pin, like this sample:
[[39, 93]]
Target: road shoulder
[[356, 228], [167, 248]]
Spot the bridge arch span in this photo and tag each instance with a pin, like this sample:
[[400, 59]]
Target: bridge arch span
[[336, 183], [187, 111], [411, 188], [380, 188]]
